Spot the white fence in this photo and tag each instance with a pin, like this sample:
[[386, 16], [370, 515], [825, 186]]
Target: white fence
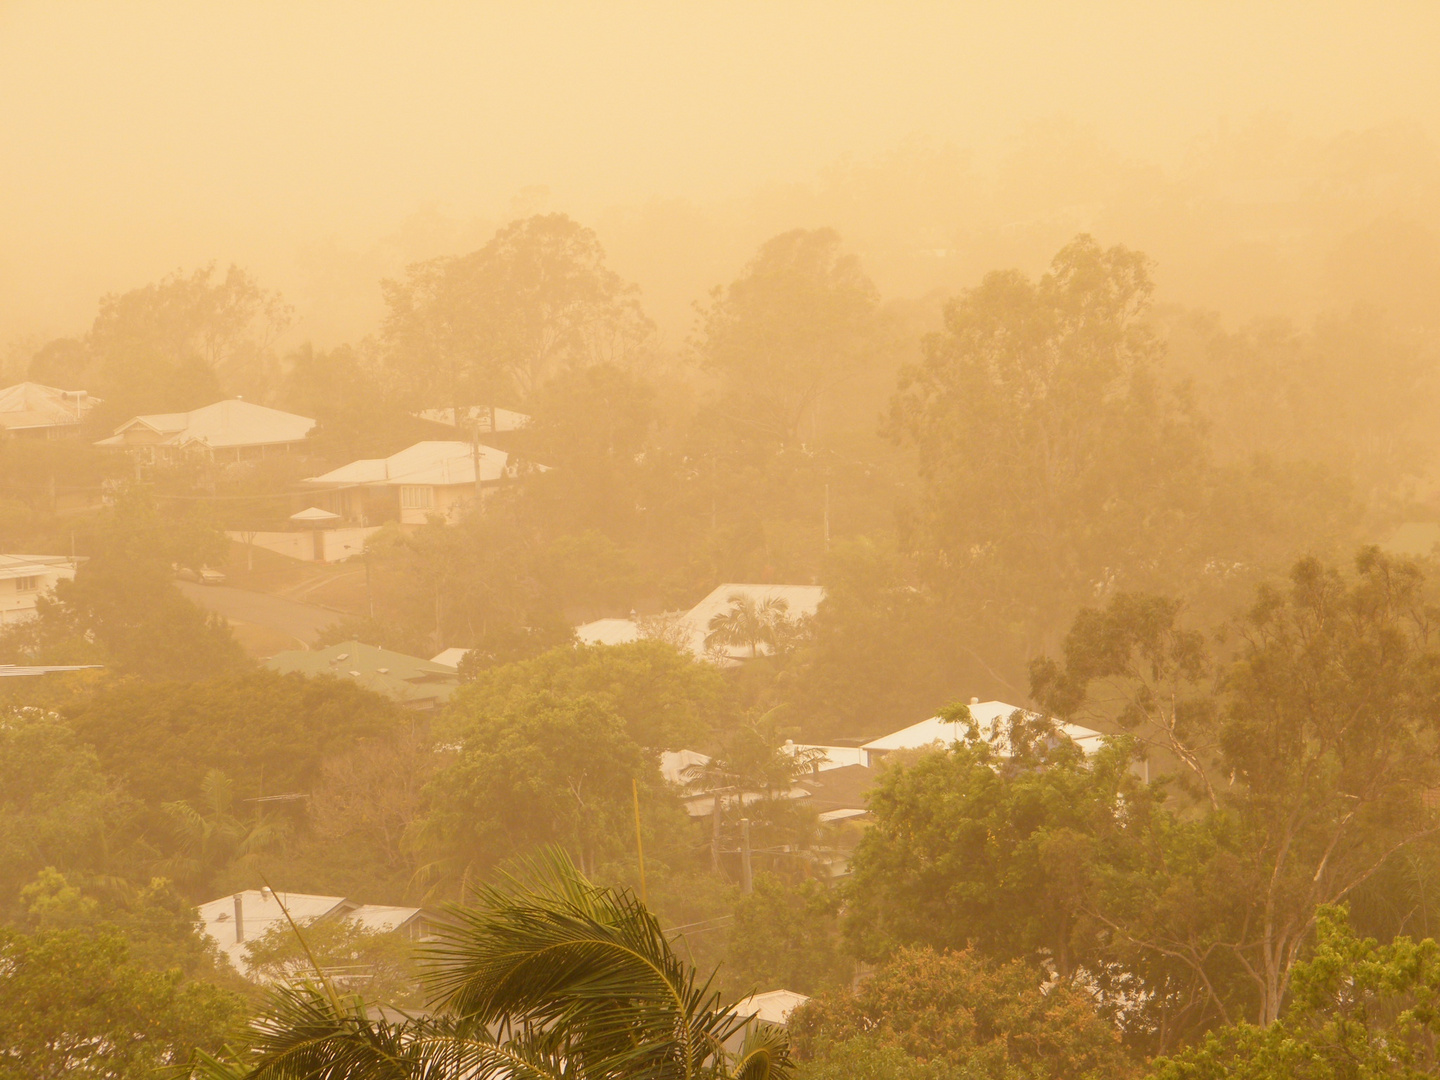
[[311, 545]]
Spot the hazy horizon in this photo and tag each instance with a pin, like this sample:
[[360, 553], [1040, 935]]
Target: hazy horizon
[[318, 142]]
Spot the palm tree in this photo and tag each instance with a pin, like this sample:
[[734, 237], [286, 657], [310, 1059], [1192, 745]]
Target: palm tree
[[545, 977], [751, 760], [211, 834], [748, 623]]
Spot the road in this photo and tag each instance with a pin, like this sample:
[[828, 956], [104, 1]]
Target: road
[[303, 622]]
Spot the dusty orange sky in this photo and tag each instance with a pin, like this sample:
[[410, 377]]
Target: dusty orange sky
[[139, 137]]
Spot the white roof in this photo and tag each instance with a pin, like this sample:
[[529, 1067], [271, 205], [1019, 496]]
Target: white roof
[[773, 1007], [29, 405], [382, 916], [230, 423], [505, 419], [835, 756], [261, 911], [673, 763], [985, 714], [800, 600], [449, 657], [16, 670], [18, 566], [314, 513], [434, 462], [609, 632]]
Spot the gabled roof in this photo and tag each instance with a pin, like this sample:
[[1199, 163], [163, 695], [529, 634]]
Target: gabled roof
[[505, 419], [674, 763], [224, 424], [260, 910], [801, 601], [434, 462], [407, 679], [608, 632], [29, 405], [773, 1007], [8, 671], [18, 566], [985, 714]]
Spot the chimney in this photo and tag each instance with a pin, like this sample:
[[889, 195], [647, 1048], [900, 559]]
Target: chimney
[[239, 917]]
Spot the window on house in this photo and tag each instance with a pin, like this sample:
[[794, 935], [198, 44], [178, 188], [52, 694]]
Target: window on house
[[417, 496], [27, 584]]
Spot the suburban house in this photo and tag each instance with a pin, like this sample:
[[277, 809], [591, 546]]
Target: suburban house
[[16, 671], [478, 419], [689, 629], [986, 714], [232, 430], [35, 411], [314, 535], [26, 578], [433, 478], [770, 1009], [232, 922], [413, 682]]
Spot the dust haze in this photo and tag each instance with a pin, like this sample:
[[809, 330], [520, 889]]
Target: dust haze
[[324, 146], [783, 541]]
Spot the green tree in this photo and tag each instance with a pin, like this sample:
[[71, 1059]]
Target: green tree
[[123, 610], [538, 771], [73, 1003], [1356, 1009], [1055, 465], [787, 936], [260, 729], [380, 964], [499, 322], [957, 1016], [212, 834], [172, 345], [358, 413], [1309, 755], [749, 623], [969, 847], [594, 426], [665, 698], [57, 807], [797, 322], [578, 981]]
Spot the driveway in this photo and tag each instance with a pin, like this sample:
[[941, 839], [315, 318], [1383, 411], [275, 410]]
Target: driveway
[[303, 622]]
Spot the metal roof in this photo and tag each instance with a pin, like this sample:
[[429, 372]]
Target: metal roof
[[434, 462], [985, 714], [231, 423]]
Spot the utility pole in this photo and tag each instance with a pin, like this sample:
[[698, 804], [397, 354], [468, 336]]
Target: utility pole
[[475, 451], [827, 515], [716, 802], [747, 883], [639, 844]]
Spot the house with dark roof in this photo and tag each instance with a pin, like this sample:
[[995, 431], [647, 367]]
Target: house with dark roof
[[413, 682]]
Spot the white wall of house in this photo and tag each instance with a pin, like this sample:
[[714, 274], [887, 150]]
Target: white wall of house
[[419, 502], [22, 583], [332, 545]]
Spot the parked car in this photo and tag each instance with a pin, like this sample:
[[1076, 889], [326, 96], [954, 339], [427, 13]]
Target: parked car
[[203, 576]]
